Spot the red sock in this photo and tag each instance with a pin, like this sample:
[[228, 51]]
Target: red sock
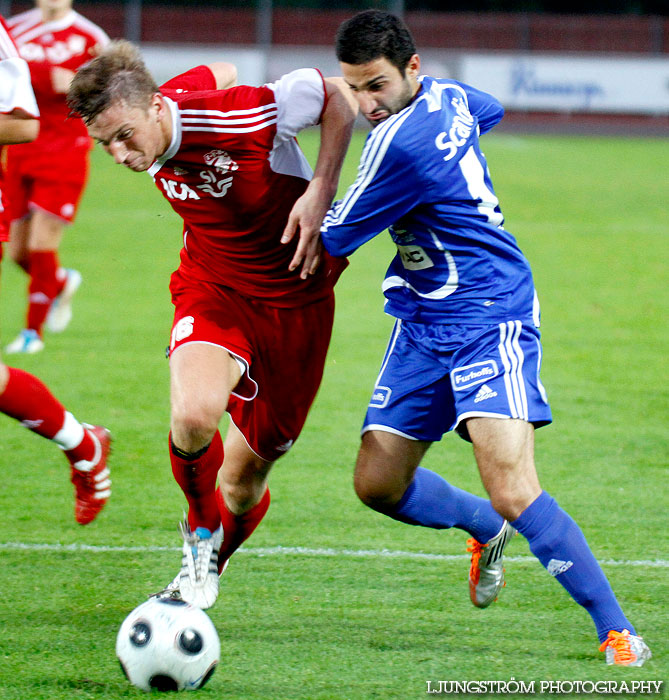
[[44, 286], [238, 528], [196, 474], [29, 400], [85, 450]]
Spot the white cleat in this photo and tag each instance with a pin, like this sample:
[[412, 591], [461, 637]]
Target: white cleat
[[486, 573], [172, 590], [625, 649], [60, 313], [27, 342], [198, 578]]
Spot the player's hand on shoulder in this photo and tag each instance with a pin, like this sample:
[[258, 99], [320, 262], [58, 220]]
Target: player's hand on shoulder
[[61, 79], [305, 219]]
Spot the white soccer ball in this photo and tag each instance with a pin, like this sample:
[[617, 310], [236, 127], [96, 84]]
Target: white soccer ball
[[168, 644]]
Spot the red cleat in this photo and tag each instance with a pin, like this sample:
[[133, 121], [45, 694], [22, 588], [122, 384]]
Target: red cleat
[[92, 482]]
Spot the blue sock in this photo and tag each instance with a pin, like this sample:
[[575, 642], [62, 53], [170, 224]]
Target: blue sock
[[558, 543], [432, 502]]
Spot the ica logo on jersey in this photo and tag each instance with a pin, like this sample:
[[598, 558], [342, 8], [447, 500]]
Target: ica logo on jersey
[[178, 190], [217, 178]]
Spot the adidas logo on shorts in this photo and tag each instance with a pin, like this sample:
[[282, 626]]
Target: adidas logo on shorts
[[485, 392]]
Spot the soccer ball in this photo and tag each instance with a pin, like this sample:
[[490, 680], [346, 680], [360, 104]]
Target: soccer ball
[[167, 644]]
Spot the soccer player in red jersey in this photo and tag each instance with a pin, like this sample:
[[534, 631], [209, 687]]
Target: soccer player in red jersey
[[253, 297], [22, 395], [45, 179]]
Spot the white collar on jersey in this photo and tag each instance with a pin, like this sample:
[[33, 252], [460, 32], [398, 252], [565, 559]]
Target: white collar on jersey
[[32, 26], [432, 92], [59, 24], [175, 143]]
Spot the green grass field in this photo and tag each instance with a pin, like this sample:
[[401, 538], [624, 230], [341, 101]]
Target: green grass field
[[329, 600]]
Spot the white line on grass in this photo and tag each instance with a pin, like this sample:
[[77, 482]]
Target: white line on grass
[[307, 552]]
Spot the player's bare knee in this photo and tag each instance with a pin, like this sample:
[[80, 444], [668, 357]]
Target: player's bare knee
[[4, 376], [375, 494], [363, 492], [510, 504], [193, 430]]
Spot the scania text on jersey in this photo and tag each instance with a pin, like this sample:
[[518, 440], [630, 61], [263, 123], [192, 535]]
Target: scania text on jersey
[[460, 131]]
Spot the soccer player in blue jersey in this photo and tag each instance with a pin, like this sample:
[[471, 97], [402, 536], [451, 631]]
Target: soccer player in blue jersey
[[464, 353]]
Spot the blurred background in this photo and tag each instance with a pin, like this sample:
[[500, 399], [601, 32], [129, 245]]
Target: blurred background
[[601, 65]]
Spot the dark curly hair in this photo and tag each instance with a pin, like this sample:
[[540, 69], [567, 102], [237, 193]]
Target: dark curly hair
[[375, 34]]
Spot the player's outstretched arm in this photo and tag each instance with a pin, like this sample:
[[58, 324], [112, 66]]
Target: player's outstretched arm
[[18, 129], [225, 74], [310, 209]]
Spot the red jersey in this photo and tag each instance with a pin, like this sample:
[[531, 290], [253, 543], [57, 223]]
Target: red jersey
[[66, 43], [233, 172]]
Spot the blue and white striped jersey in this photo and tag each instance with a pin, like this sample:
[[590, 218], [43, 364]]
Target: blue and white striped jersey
[[422, 176]]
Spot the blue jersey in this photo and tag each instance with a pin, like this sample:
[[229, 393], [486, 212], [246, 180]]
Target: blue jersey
[[423, 177]]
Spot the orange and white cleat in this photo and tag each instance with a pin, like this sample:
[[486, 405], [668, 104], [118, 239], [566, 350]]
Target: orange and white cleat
[[92, 482], [486, 573], [625, 649]]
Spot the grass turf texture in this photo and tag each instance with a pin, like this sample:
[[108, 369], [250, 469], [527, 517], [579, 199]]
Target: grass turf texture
[[591, 215]]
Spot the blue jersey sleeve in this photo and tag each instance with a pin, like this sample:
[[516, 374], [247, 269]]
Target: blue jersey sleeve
[[486, 108], [387, 187]]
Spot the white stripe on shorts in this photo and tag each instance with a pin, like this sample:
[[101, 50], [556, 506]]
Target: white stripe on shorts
[[512, 359], [389, 349]]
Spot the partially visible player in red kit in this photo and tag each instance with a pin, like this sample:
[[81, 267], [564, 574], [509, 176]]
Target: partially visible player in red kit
[[253, 300], [22, 395], [45, 179]]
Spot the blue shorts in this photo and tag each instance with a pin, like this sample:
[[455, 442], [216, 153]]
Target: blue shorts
[[434, 377]]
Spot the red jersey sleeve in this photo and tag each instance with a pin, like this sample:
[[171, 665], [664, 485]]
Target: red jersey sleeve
[[193, 80]]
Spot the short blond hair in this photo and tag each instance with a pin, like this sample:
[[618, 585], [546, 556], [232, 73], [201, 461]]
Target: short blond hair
[[116, 75]]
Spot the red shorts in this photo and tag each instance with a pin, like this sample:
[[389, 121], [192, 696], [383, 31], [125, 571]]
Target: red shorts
[[283, 352], [48, 181]]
